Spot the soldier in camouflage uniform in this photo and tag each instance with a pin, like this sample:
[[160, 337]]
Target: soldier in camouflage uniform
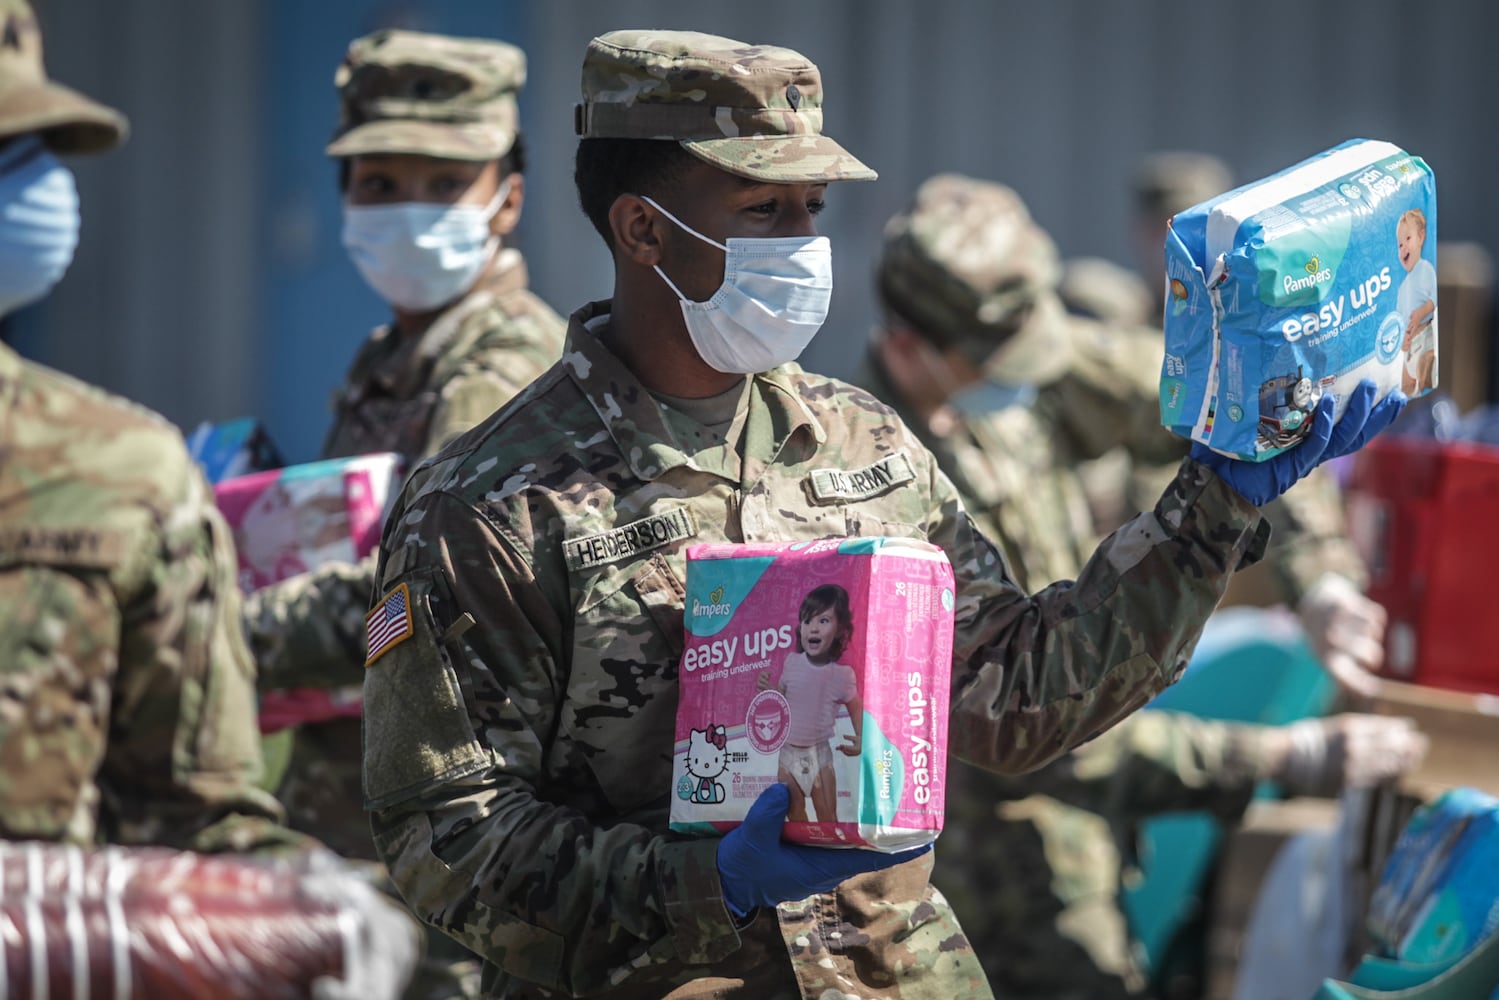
[[426, 122], [521, 682], [127, 698], [1032, 864], [428, 132]]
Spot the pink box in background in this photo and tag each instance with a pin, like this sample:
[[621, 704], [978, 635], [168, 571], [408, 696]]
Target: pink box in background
[[825, 665], [288, 521], [291, 520]]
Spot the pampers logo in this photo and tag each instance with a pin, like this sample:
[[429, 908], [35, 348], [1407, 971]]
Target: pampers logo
[[884, 769], [1315, 275], [714, 608]]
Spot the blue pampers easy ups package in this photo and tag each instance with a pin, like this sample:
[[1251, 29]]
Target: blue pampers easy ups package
[[1298, 286]]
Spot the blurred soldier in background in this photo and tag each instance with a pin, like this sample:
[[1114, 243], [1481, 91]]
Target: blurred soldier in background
[[973, 332], [127, 697], [431, 165], [1103, 290], [1166, 183]]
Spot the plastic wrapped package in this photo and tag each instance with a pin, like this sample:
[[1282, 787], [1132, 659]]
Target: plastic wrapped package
[[1297, 286], [153, 923], [292, 520], [823, 665], [233, 448]]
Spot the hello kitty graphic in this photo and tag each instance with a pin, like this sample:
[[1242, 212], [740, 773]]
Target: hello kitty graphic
[[707, 758]]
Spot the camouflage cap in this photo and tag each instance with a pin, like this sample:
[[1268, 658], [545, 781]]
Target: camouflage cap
[[752, 110], [29, 102], [431, 95], [1173, 181], [966, 267]]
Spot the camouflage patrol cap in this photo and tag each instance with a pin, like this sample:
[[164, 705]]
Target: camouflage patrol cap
[[1173, 181], [431, 95], [29, 102], [966, 267], [752, 110]]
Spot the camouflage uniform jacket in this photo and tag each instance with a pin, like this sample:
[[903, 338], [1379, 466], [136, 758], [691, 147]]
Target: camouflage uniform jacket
[[412, 399], [309, 631], [414, 396], [518, 745], [127, 699]]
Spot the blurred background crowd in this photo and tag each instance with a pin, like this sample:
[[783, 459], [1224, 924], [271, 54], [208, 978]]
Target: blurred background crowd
[[210, 281]]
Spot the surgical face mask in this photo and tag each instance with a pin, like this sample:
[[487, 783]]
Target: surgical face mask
[[419, 256], [38, 222], [990, 396], [773, 300]]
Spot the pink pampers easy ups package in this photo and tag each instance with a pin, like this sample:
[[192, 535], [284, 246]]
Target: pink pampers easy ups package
[[288, 521], [824, 665]]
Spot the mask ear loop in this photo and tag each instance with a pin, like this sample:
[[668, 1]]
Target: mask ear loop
[[682, 225], [501, 193], [492, 245], [687, 229]]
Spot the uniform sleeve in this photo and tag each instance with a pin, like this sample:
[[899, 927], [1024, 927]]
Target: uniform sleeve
[[457, 716], [1034, 677], [1158, 762], [183, 754], [1311, 538], [308, 631]]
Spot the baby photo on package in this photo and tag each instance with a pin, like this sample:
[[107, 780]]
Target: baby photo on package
[[823, 666], [1296, 287]]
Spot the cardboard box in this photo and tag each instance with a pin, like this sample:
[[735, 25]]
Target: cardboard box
[[1247, 854], [1464, 732]]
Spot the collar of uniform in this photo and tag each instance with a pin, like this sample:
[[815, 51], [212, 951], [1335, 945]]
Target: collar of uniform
[[400, 368], [633, 419], [786, 408]]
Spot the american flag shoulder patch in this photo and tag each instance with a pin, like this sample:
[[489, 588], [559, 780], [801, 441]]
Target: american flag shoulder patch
[[389, 624]]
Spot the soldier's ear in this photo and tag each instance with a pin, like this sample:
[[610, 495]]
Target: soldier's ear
[[508, 214], [637, 229]]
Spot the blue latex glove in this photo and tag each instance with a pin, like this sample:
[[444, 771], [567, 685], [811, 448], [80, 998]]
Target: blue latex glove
[[1261, 482], [756, 868]]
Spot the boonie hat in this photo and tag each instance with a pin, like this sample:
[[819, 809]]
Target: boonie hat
[[67, 121], [752, 110], [429, 95], [967, 267]]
